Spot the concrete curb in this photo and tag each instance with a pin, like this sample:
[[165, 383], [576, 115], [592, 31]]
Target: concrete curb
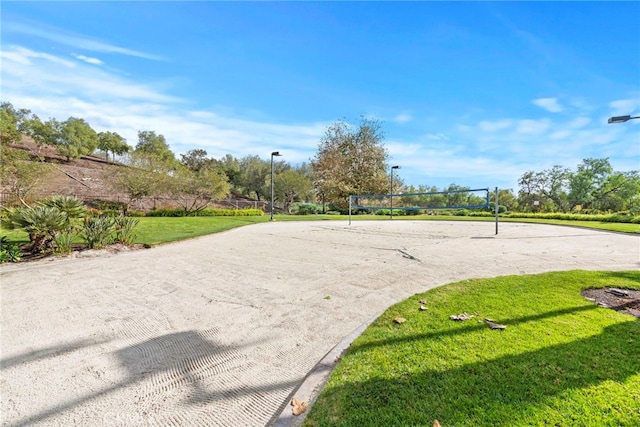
[[316, 379]]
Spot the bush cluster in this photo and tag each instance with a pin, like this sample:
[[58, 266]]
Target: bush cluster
[[613, 217], [55, 223], [308, 209], [204, 212]]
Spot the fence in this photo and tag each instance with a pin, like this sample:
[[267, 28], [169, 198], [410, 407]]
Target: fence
[[144, 204]]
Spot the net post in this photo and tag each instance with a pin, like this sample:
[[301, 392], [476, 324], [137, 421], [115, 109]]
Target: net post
[[496, 208], [350, 196]]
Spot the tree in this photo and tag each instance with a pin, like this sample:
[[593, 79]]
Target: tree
[[231, 167], [114, 143], [194, 190], [292, 185], [351, 161], [196, 159], [587, 184], [154, 145], [142, 176], [255, 174], [13, 123], [72, 138], [506, 198], [9, 133], [553, 184], [20, 174]]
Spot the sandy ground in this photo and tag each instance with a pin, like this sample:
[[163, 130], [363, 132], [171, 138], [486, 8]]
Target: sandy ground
[[220, 330]]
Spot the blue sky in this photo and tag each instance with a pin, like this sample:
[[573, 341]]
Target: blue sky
[[469, 93]]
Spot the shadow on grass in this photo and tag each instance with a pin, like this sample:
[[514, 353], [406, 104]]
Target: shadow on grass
[[456, 330], [500, 392]]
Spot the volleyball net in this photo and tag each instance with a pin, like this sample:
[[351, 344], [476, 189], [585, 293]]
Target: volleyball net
[[439, 200]]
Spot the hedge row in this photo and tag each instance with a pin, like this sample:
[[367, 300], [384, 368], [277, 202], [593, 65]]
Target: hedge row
[[204, 212], [614, 217]]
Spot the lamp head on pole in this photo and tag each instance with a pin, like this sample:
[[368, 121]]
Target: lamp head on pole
[[276, 154], [621, 119], [395, 167]]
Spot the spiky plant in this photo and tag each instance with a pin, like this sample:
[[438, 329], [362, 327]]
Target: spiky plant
[[42, 223]]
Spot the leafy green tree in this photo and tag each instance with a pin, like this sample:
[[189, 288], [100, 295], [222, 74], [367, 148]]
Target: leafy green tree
[[255, 176], [292, 185], [9, 133], [619, 191], [506, 198], [72, 138], [587, 184], [351, 161], [553, 185], [197, 159], [154, 145], [114, 143], [13, 122], [232, 168]]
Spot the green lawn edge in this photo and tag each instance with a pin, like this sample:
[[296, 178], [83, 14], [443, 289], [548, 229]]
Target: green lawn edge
[[153, 231], [562, 360]]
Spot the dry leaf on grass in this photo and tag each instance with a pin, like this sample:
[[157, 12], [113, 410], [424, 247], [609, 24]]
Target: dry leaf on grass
[[494, 325], [462, 316], [399, 320]]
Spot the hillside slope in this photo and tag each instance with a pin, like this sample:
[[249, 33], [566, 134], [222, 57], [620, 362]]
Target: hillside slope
[[88, 179]]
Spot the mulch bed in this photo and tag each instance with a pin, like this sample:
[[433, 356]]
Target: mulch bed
[[621, 300]]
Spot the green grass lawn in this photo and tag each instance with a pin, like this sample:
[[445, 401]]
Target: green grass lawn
[[562, 361]]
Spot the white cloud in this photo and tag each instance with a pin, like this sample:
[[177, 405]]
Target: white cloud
[[73, 40], [403, 118], [549, 104], [437, 137], [528, 126], [55, 87], [579, 122], [623, 107], [492, 126], [37, 74], [89, 60]]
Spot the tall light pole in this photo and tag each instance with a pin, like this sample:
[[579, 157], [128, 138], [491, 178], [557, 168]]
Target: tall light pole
[[274, 154], [621, 119], [391, 193]]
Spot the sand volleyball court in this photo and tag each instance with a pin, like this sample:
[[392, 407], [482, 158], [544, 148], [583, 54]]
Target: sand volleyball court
[[221, 330]]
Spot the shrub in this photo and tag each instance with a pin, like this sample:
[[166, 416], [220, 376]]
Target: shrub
[[308, 209], [204, 212], [64, 243], [107, 205], [70, 205], [42, 223], [124, 229], [97, 231], [9, 252]]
